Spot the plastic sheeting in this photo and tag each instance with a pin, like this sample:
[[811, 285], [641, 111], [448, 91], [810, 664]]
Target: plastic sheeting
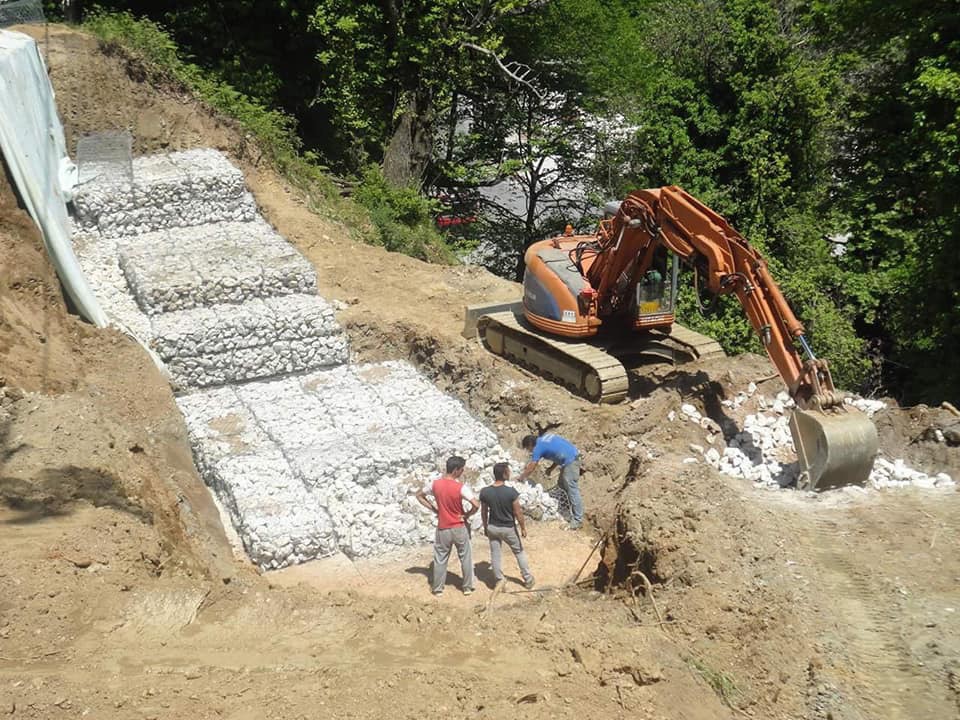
[[34, 149]]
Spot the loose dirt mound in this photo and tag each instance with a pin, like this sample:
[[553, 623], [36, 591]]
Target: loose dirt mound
[[779, 605]]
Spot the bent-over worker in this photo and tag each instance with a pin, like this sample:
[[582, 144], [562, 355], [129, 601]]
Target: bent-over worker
[[560, 452], [502, 515], [449, 494]]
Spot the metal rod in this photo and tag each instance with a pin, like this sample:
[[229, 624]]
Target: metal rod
[[806, 347]]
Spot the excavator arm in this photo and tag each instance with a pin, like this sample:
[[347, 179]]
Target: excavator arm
[[674, 219], [834, 444]]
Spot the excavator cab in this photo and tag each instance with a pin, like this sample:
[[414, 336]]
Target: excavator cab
[[656, 292]]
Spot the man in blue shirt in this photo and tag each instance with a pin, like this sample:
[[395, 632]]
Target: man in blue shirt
[[560, 452]]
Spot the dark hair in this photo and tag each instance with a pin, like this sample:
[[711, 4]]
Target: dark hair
[[454, 463], [528, 442], [500, 470]]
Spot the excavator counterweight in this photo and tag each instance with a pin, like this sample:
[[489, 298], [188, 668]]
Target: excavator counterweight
[[589, 300]]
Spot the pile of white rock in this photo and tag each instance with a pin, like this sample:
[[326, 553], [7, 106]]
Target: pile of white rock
[[181, 189], [356, 441], [231, 262], [763, 451], [258, 339], [97, 256], [308, 455]]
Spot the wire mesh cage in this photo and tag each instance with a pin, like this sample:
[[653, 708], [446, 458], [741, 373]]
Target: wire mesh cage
[[105, 157], [563, 502], [20, 12]]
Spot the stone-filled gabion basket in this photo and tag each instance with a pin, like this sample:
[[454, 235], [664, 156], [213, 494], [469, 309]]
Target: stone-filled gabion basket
[[307, 454]]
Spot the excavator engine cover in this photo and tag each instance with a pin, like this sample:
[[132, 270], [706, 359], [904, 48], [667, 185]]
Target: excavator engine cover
[[835, 447]]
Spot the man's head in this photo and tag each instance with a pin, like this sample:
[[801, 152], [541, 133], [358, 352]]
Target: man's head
[[455, 465], [501, 472], [528, 442]]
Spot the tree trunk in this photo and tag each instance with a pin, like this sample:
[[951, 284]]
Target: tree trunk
[[72, 11], [406, 157], [529, 223]]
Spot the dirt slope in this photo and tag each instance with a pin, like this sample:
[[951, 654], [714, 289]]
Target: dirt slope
[[115, 598]]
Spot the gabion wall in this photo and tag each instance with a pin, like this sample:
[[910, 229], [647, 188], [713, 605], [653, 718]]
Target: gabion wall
[[308, 454]]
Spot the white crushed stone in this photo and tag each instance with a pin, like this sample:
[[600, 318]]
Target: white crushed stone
[[363, 474], [216, 263], [180, 189], [98, 259], [258, 339], [763, 451]]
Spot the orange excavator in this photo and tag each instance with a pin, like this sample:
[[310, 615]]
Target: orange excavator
[[590, 300]]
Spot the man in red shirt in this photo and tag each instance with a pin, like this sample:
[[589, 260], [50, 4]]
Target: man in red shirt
[[449, 493]]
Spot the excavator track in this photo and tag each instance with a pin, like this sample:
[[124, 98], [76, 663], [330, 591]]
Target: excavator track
[[588, 369], [699, 347], [582, 368]]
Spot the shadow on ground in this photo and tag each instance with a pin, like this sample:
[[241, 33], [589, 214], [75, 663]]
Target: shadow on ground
[[53, 491]]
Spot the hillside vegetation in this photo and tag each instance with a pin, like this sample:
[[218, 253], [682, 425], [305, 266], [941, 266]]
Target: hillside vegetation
[[827, 132]]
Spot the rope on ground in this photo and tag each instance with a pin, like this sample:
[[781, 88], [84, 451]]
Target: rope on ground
[[493, 596], [648, 586]]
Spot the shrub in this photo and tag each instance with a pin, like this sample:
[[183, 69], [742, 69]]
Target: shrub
[[396, 218]]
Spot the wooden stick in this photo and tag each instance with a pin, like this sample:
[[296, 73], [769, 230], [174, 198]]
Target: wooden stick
[[546, 588], [577, 576]]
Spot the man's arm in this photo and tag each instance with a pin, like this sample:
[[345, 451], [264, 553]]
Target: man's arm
[[527, 471], [425, 501], [474, 506], [485, 514], [551, 468], [518, 517]]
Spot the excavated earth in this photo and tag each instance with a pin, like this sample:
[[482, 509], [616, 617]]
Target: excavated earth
[[122, 597]]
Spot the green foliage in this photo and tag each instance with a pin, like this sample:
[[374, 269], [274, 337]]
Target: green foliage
[[403, 218], [374, 57], [397, 219], [741, 117], [722, 683], [274, 130], [898, 174]]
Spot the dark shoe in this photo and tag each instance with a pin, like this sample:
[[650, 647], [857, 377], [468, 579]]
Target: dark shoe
[[575, 526], [529, 584]]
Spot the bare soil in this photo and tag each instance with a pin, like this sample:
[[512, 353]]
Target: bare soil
[[120, 596]]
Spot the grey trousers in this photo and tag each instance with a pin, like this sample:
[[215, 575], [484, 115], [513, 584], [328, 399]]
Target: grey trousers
[[570, 482], [499, 535], [442, 544]]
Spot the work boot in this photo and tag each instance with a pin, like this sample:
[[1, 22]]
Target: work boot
[[529, 584], [574, 526]]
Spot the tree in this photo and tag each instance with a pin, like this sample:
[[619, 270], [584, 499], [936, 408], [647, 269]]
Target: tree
[[897, 173], [742, 117], [387, 67], [543, 180]]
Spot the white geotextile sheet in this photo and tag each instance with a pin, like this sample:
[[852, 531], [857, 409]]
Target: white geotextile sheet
[[35, 151]]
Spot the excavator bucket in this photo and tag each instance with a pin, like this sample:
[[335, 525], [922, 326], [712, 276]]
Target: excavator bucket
[[835, 448]]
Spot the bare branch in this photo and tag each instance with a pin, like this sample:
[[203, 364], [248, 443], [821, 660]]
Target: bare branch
[[512, 74]]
